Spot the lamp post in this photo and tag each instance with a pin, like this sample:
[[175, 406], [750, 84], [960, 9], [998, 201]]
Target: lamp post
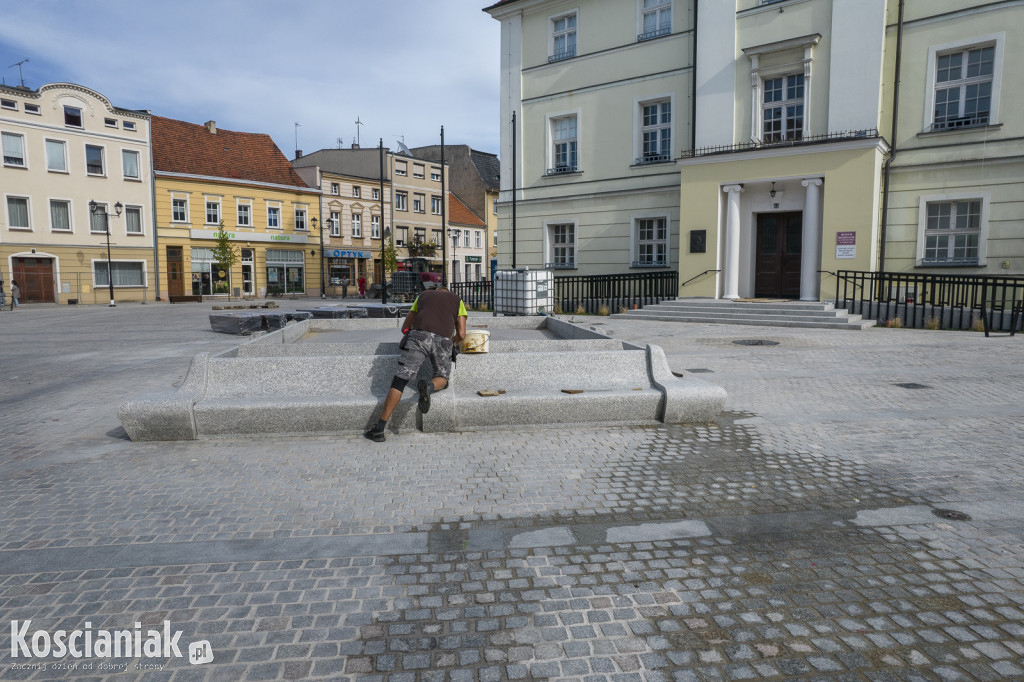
[[95, 208], [327, 226], [454, 233]]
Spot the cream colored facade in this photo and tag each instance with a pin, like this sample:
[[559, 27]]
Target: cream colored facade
[[580, 78], [796, 169], [64, 146]]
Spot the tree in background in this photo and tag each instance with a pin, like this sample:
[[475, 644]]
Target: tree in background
[[225, 255]]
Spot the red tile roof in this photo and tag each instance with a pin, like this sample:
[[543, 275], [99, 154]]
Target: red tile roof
[[180, 147], [460, 214]]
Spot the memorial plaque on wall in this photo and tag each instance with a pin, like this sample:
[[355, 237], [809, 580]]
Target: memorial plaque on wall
[[698, 241]]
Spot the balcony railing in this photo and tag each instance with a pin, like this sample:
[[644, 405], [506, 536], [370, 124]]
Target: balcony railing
[[561, 170], [965, 122], [559, 56], [651, 35], [652, 158], [826, 138]]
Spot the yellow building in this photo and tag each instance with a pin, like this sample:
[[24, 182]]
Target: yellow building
[[209, 181], [74, 167]]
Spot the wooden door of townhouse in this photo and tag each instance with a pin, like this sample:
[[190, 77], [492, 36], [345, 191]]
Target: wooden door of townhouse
[[35, 278], [777, 265], [175, 281]]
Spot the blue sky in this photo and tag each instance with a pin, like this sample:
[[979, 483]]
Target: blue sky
[[402, 67]]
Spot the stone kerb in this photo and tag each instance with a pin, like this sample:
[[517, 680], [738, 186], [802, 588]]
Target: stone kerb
[[284, 383]]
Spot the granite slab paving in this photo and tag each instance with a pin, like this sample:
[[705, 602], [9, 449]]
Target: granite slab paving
[[808, 535]]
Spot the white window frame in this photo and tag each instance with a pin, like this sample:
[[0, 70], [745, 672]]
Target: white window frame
[[274, 206], [634, 240], [953, 197], [356, 192], [639, 128], [64, 152], [301, 210], [419, 202], [567, 52], [758, 75], [435, 205], [28, 212], [401, 168], [435, 174], [465, 239], [138, 166], [549, 244], [24, 152], [997, 40], [375, 227], [103, 285], [185, 220], [110, 122], [335, 223], [142, 222], [357, 225], [216, 201], [783, 104], [103, 160], [128, 125], [375, 194], [335, 188], [95, 216], [401, 201], [657, 10], [81, 116], [71, 215], [477, 239], [33, 109], [9, 104], [247, 203], [552, 120], [418, 171]]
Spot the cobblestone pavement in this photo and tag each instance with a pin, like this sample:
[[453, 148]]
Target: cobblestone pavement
[[856, 514]]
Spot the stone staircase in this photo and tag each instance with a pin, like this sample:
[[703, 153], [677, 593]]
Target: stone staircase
[[781, 313]]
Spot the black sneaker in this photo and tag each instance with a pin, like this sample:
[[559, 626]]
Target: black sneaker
[[425, 387], [375, 435]]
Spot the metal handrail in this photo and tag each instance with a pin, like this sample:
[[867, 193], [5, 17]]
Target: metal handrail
[[693, 278]]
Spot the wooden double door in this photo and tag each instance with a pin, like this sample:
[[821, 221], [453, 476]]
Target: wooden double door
[[35, 279], [779, 248]]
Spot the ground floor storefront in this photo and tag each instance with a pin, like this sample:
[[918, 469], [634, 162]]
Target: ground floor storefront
[[78, 274]]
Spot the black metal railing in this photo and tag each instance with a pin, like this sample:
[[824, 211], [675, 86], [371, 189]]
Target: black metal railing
[[695, 277], [824, 138], [634, 289], [936, 300], [473, 294]]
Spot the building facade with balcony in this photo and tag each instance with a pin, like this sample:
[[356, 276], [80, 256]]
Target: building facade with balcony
[[211, 181], [412, 202], [600, 92], [64, 146]]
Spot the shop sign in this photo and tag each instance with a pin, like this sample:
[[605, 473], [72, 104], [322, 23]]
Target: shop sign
[[474, 259], [846, 244], [341, 253], [250, 236]]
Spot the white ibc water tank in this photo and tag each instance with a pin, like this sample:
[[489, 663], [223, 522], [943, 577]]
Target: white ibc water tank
[[524, 291]]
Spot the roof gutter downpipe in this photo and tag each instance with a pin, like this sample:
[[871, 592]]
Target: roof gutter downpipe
[[892, 147], [693, 81]]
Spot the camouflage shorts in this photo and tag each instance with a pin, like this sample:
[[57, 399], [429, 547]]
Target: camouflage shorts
[[420, 346]]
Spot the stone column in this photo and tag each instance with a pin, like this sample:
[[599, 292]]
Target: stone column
[[732, 243], [810, 280]]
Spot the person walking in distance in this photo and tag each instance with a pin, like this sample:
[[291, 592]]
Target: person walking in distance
[[437, 315], [362, 287], [15, 294]]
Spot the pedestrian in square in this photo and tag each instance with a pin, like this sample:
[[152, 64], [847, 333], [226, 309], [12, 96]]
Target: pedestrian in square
[[436, 317], [15, 294]]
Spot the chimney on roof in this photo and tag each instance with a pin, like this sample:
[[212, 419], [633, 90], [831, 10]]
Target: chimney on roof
[[298, 153], [211, 126]]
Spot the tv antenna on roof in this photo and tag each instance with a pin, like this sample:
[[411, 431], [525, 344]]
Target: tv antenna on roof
[[358, 123], [340, 143], [19, 71]]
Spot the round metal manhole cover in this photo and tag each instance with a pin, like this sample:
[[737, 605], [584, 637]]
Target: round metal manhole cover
[[951, 515], [756, 342]]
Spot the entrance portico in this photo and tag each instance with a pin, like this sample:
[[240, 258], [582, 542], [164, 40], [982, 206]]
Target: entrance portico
[[764, 255]]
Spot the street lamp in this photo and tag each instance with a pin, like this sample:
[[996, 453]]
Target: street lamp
[[95, 208], [327, 225], [454, 233]]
